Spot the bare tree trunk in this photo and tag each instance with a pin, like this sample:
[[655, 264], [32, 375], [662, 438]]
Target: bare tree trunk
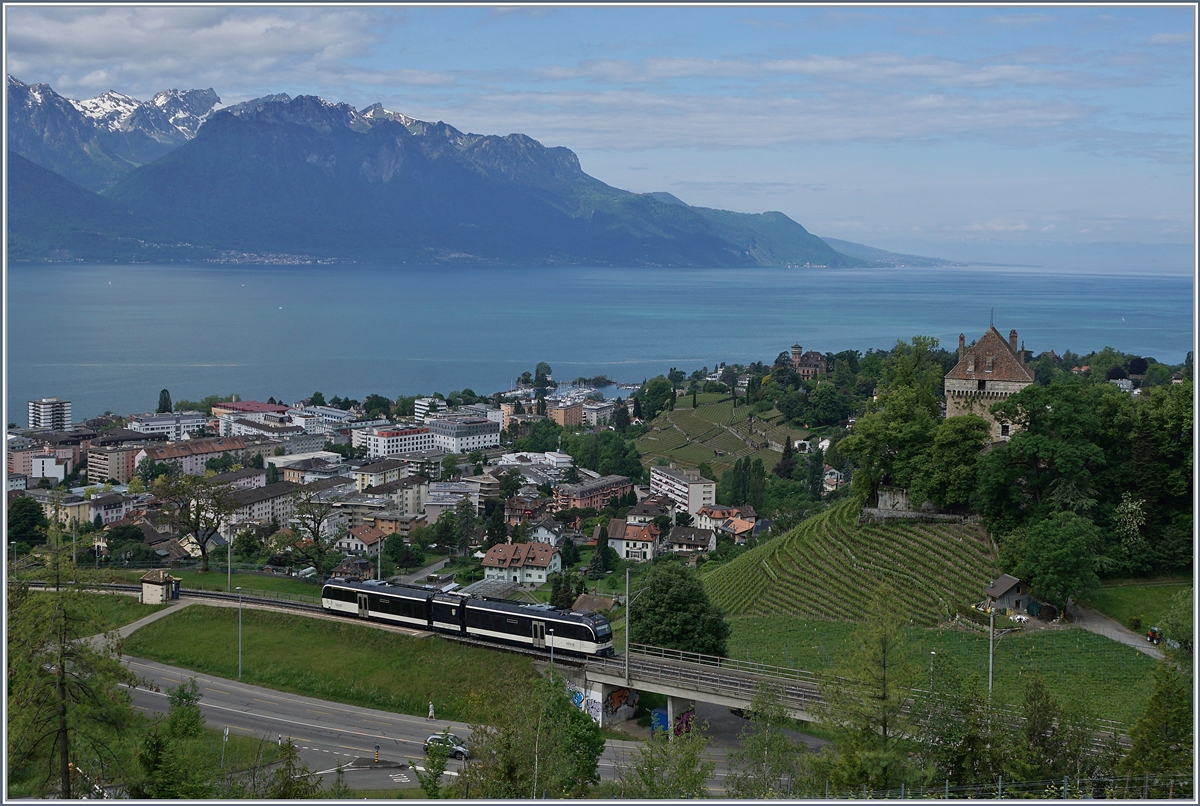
[[64, 753]]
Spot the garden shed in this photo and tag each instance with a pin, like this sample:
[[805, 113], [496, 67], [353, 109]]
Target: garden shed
[[1007, 593], [159, 587]]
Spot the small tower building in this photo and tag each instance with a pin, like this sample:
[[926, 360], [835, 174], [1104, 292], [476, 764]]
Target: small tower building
[[987, 372]]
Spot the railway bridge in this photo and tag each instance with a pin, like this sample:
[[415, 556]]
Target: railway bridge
[[687, 677]]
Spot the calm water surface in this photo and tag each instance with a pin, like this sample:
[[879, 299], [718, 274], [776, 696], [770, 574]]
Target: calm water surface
[[110, 337]]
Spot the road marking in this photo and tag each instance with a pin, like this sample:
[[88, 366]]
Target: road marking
[[315, 711], [218, 690], [272, 702], [446, 772]]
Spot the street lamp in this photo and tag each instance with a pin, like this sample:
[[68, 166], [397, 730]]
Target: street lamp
[[239, 592], [628, 621], [932, 654], [552, 646]]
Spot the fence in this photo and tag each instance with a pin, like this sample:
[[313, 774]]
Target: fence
[[1144, 787]]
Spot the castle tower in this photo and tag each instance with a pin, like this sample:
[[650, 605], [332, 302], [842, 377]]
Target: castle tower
[[987, 373], [797, 351]]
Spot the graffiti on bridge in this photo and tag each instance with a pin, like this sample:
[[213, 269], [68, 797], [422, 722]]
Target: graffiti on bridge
[[683, 722]]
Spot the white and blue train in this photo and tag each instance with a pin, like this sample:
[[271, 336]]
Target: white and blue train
[[539, 626]]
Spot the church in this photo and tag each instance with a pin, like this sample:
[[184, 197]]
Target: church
[[986, 373]]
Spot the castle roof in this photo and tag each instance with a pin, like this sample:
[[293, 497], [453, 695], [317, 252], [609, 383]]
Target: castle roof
[[1005, 366]]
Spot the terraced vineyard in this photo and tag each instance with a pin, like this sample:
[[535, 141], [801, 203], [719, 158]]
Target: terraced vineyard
[[690, 436], [829, 566]]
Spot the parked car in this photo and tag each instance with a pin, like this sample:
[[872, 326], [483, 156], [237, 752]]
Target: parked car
[[458, 748]]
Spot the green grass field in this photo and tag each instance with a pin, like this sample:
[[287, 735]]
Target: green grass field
[[114, 609], [1148, 599], [830, 565], [338, 661], [1110, 680]]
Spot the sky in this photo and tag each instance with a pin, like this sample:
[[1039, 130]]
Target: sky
[[1019, 134]]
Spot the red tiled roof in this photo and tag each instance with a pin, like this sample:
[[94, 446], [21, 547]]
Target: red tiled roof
[[369, 535], [1005, 364], [519, 555]]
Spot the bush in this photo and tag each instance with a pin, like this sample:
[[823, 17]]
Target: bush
[[1135, 623]]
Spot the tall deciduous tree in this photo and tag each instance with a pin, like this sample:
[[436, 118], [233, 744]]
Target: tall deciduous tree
[[541, 745], [766, 763], [667, 768], [673, 611], [195, 506], [312, 539], [1060, 557], [948, 475]]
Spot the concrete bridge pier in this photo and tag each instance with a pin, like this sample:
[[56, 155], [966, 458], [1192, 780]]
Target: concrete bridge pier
[[681, 713]]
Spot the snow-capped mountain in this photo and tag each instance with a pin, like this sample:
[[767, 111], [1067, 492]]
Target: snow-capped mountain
[[183, 110], [109, 110], [95, 141], [187, 109]]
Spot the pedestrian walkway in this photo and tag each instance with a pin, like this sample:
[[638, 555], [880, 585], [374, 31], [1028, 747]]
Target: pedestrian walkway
[[1095, 621], [128, 630], [418, 577]]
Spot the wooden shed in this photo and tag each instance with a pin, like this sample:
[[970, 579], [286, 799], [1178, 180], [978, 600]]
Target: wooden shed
[[159, 587], [1007, 593]]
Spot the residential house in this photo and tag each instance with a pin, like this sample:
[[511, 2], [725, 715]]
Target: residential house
[[362, 541], [690, 540], [523, 563], [525, 506], [354, 569], [651, 507], [551, 532], [712, 517], [395, 522], [1007, 592], [633, 541], [809, 366]]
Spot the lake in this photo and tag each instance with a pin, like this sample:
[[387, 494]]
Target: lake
[[110, 337]]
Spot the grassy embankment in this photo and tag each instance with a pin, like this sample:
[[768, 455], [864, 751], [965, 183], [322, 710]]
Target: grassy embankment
[[688, 436], [338, 661], [792, 601], [1147, 599]]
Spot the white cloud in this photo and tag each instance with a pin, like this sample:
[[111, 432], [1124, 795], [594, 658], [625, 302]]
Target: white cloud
[[237, 51], [1171, 39]]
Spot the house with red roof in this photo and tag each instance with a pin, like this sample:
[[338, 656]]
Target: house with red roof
[[523, 563]]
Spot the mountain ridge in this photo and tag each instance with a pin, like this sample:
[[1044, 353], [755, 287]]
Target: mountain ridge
[[308, 176]]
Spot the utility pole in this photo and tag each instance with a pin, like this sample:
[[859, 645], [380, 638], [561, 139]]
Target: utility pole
[[628, 621], [991, 647]]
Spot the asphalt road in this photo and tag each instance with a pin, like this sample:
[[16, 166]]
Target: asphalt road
[[331, 734]]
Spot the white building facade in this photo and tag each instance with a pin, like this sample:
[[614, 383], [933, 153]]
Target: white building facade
[[686, 487]]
